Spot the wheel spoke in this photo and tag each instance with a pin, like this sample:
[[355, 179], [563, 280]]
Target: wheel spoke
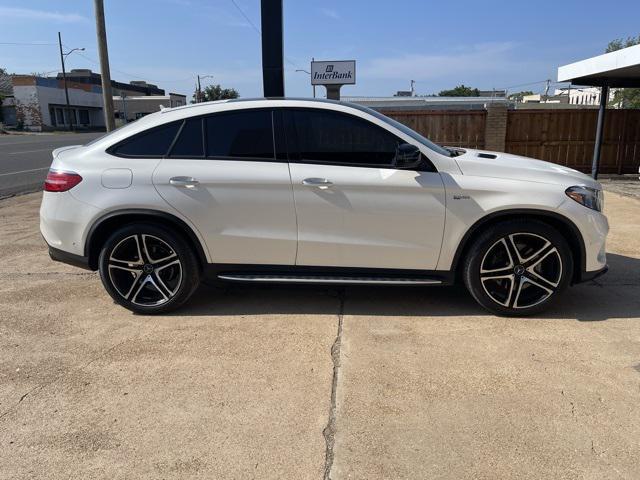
[[497, 273], [510, 265], [143, 248], [138, 261], [540, 255], [159, 278], [537, 279], [513, 250], [136, 285], [514, 295], [152, 260], [496, 278], [148, 280], [166, 262]]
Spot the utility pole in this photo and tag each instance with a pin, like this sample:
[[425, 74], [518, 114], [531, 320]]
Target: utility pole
[[105, 74], [64, 80], [199, 88], [314, 87], [272, 48], [124, 106]]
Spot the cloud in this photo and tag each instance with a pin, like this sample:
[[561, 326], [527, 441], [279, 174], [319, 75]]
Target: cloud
[[461, 61], [328, 12], [29, 14]]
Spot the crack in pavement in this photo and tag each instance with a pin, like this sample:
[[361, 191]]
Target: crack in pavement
[[329, 431]]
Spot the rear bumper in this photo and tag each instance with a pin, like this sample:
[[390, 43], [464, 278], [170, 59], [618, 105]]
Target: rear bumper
[[69, 258]]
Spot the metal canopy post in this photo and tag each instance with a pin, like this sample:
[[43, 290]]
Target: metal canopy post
[[272, 48], [604, 97]]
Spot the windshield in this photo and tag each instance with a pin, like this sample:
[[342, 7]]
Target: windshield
[[404, 129]]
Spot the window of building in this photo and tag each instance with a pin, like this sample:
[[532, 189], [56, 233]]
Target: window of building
[[190, 141], [152, 143], [241, 134], [325, 136], [84, 117]]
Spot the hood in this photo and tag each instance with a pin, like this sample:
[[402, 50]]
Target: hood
[[505, 165], [56, 153]]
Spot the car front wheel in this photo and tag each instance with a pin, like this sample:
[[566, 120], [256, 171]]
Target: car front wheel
[[518, 268], [148, 269]]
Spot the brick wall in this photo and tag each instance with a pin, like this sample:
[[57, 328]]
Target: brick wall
[[496, 127]]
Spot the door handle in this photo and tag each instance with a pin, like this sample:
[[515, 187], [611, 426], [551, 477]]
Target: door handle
[[321, 183], [186, 182]]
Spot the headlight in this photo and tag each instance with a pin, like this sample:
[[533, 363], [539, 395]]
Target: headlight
[[589, 197]]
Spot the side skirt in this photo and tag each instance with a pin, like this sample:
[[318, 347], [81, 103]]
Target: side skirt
[[296, 274]]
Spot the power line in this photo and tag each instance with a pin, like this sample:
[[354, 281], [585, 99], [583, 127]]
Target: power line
[[253, 25], [28, 44], [132, 75], [246, 17]]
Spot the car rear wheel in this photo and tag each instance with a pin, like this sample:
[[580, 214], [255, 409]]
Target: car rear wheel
[[518, 268], [148, 269]]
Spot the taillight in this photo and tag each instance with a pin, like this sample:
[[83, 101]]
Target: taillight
[[58, 181]]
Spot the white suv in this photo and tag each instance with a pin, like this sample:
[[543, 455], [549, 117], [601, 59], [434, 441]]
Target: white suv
[[306, 191]]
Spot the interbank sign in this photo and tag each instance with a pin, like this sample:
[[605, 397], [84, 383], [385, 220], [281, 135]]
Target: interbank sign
[[341, 72]]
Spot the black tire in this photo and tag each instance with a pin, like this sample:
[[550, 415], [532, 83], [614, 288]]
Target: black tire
[[526, 287], [148, 269]]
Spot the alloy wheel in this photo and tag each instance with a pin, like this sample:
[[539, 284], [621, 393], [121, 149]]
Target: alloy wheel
[[521, 270], [145, 270]]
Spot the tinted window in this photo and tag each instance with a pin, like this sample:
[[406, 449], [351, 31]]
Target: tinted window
[[189, 142], [333, 137], [151, 143], [243, 134]]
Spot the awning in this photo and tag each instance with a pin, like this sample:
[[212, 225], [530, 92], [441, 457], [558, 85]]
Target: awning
[[620, 69]]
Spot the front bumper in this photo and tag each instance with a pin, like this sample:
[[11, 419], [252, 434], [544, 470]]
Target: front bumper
[[586, 276]]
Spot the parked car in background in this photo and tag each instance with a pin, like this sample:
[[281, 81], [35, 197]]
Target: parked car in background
[[310, 191]]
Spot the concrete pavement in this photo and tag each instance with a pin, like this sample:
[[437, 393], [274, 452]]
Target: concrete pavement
[[25, 159], [244, 381]]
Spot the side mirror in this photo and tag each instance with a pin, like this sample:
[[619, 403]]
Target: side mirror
[[407, 156]]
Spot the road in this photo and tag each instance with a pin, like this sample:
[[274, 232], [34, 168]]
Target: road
[[25, 159]]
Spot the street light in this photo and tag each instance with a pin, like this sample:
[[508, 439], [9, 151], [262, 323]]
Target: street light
[[64, 77], [308, 73], [199, 99]]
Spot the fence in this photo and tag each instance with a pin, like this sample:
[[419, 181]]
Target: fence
[[450, 128], [561, 136]]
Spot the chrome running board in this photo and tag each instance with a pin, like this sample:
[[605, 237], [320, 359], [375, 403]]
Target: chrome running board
[[327, 279]]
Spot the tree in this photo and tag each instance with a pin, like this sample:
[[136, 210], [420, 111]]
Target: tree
[[518, 96], [215, 92], [460, 91], [625, 97]]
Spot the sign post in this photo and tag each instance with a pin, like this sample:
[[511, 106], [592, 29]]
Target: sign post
[[333, 74]]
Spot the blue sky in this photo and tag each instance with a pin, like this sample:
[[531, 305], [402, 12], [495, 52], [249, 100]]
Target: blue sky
[[489, 44]]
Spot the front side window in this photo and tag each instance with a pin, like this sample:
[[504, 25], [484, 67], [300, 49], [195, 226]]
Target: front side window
[[240, 134], [150, 143], [326, 136]]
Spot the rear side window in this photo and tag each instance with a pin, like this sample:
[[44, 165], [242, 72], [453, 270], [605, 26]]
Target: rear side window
[[241, 134], [190, 141], [324, 136], [151, 143]]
